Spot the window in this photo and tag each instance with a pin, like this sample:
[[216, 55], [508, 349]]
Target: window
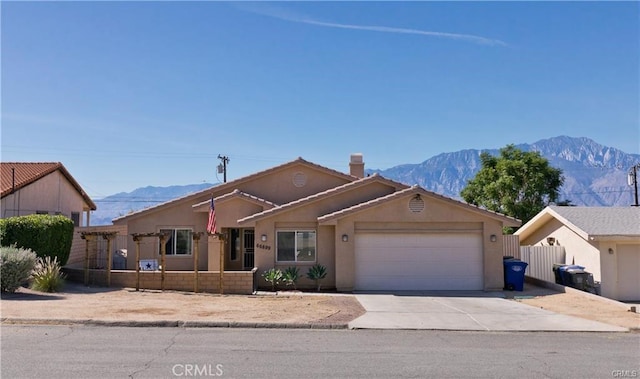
[[296, 246], [75, 217], [179, 241]]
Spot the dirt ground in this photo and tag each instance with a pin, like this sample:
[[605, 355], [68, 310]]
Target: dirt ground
[[587, 307], [78, 302]]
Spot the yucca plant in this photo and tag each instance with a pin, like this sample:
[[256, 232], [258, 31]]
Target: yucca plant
[[290, 276], [273, 276], [47, 275], [316, 273]]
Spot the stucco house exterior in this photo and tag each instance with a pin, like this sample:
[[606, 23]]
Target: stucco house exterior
[[605, 240], [371, 233], [43, 188]]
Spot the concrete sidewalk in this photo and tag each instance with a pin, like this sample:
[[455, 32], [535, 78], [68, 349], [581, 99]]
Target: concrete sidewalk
[[469, 310]]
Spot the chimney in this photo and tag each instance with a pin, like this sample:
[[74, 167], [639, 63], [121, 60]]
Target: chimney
[[356, 165]]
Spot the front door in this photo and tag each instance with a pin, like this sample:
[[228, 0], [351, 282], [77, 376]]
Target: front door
[[248, 248]]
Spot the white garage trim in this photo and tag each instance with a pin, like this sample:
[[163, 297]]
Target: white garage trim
[[419, 261]]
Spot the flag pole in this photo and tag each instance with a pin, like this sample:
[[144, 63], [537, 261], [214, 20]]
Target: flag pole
[[221, 239]]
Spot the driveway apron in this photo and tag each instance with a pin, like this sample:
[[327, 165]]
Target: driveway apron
[[464, 310]]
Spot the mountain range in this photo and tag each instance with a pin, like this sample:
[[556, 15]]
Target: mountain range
[[595, 175]]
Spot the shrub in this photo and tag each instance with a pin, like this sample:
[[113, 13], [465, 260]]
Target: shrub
[[273, 276], [47, 276], [46, 235], [15, 267], [317, 272], [290, 276]]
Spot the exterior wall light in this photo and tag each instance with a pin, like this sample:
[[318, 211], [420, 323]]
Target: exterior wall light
[[493, 238], [263, 238], [610, 251], [551, 241], [345, 238]]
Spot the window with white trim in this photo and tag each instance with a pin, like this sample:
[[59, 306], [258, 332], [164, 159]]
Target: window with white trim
[[180, 241], [296, 246]]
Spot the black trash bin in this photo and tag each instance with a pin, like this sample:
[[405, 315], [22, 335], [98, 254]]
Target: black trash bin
[[581, 280], [565, 273], [514, 274], [557, 273]]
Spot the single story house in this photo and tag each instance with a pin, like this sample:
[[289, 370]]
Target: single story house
[[371, 233], [43, 188], [605, 240]]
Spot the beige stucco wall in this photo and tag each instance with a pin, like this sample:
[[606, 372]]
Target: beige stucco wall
[[437, 215], [578, 250], [52, 193], [278, 187], [265, 254]]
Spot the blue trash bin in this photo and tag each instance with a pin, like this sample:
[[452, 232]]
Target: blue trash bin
[[514, 274]]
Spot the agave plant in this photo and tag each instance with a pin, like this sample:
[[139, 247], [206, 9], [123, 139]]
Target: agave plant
[[316, 273], [47, 275], [273, 276], [290, 276]]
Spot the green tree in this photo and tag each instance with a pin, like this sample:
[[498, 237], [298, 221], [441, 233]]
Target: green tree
[[516, 183]]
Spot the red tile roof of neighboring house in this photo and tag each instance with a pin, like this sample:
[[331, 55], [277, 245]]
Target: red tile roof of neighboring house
[[15, 175]]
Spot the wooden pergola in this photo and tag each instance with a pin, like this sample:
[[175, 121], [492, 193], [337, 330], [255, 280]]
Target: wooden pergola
[[138, 237], [87, 236]]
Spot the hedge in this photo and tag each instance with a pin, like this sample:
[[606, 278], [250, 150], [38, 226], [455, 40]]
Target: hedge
[[46, 235]]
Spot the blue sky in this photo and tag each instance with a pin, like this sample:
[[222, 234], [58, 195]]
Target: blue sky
[[130, 94]]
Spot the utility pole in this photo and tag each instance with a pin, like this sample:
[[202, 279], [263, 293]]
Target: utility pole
[[633, 181], [222, 167]]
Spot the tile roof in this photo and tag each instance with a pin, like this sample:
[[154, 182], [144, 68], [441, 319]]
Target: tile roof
[[16, 175], [602, 221]]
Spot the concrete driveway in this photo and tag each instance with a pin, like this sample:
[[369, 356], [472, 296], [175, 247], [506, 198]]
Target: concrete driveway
[[464, 310]]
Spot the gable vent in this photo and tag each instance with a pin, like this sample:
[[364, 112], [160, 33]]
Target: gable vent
[[416, 204], [299, 179]]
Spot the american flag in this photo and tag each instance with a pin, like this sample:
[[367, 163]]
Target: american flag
[[211, 225]]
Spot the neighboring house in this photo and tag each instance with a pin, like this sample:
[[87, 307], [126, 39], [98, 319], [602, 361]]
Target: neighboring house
[[605, 240], [43, 188], [370, 232]]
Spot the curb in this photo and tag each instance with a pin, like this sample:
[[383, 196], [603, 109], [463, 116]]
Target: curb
[[172, 324]]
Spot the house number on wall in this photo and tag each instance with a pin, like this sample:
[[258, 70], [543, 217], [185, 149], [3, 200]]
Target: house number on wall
[[263, 246]]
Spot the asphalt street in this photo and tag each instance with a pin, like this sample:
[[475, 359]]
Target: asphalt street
[[52, 351]]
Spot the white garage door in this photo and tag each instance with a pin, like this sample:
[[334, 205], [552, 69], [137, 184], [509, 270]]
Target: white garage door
[[418, 261], [628, 272]]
